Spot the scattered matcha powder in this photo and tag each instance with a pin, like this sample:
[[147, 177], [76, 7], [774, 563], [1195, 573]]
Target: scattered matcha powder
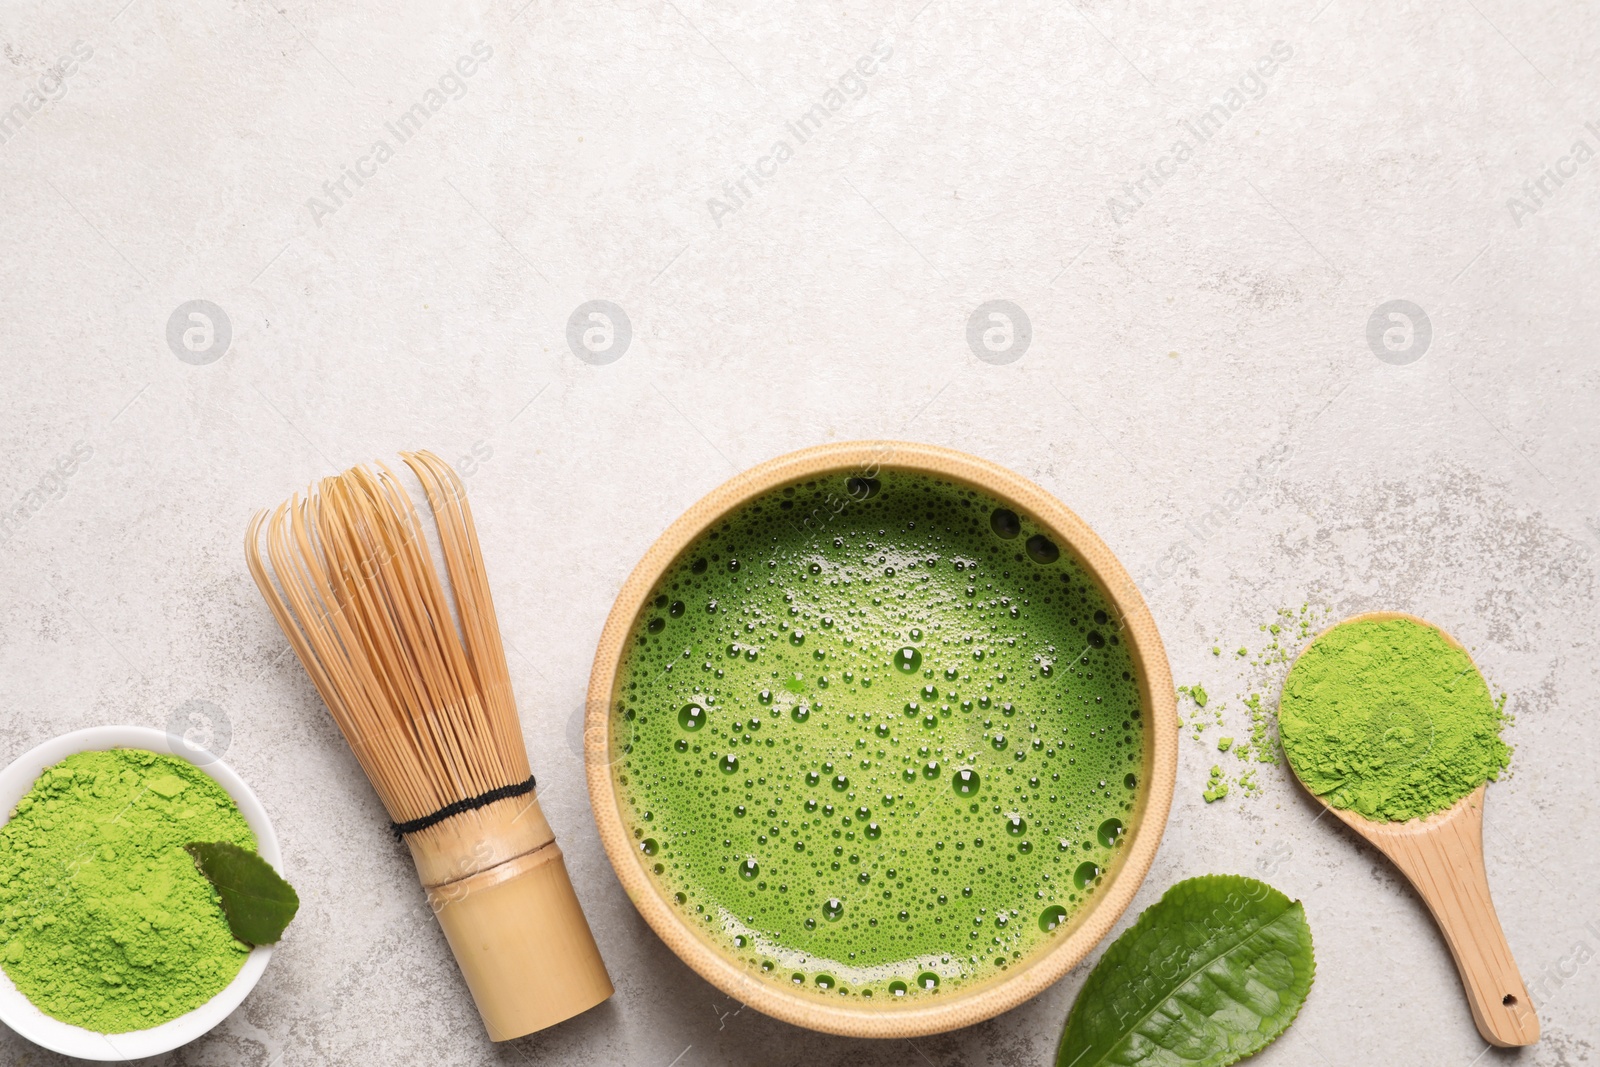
[[1261, 742], [1200, 718], [105, 922], [1389, 719], [1286, 634], [1216, 786]]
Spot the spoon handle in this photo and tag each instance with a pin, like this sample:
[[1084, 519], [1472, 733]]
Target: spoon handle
[[1445, 864]]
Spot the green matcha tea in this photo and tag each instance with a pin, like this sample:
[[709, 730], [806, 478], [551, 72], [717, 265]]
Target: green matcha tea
[[885, 754]]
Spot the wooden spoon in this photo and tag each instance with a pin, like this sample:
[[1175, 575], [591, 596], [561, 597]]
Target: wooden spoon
[[1442, 856]]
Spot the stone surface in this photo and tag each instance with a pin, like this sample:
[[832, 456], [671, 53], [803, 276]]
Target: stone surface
[[1202, 380]]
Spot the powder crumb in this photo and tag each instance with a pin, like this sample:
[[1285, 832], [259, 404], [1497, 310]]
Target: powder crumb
[[1261, 741], [1216, 786], [1224, 743], [168, 785]]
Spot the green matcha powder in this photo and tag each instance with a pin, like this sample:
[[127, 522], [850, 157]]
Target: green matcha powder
[[1389, 719], [105, 922]]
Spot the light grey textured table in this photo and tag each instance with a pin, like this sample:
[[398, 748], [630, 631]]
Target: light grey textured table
[[1201, 380]]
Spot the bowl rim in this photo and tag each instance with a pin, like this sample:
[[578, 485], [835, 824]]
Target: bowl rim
[[1148, 820], [19, 1013]]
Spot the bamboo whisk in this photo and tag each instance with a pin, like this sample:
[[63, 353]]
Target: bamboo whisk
[[417, 683]]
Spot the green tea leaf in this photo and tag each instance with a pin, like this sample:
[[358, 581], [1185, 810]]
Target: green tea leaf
[[1211, 973], [256, 900]]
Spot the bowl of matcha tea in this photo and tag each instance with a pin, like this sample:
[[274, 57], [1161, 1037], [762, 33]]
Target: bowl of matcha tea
[[881, 738]]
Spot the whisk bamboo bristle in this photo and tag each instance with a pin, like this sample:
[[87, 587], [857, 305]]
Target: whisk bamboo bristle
[[416, 680], [424, 699]]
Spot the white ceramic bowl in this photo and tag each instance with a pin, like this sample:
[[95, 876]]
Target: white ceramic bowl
[[18, 1012]]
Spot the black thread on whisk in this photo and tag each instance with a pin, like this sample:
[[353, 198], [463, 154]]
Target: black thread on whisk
[[456, 807]]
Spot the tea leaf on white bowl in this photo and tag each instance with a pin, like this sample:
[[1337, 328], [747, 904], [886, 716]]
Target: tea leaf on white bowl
[[257, 901]]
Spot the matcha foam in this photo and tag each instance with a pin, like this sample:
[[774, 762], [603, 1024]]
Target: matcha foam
[[885, 755], [105, 922]]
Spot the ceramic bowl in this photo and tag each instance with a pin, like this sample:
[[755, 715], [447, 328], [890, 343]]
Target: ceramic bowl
[[18, 1012], [883, 1018]]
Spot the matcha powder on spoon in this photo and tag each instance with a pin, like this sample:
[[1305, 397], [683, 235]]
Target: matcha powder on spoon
[[105, 922], [1388, 718]]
